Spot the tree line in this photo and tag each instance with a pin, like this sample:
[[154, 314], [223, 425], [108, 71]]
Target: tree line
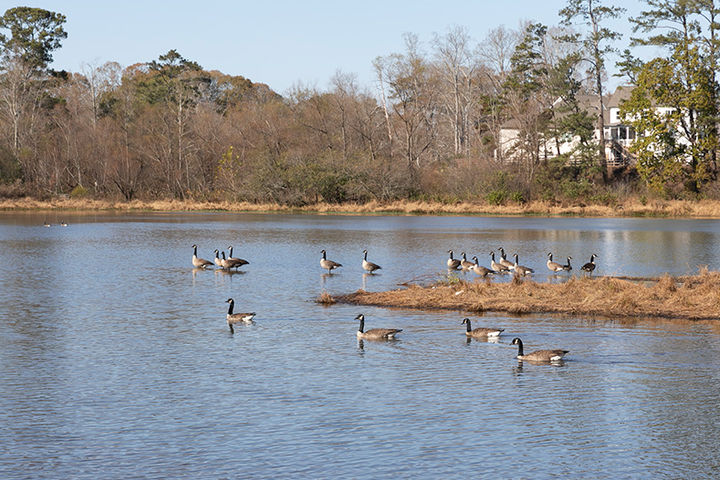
[[429, 129]]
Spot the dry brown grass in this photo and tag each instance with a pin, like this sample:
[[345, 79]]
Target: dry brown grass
[[695, 297], [675, 208], [325, 299]]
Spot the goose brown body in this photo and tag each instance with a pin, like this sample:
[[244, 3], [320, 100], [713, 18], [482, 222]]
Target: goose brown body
[[452, 263], [504, 261], [199, 262], [369, 267], [553, 266], [554, 355], [479, 269], [375, 333], [238, 262], [328, 265], [481, 332], [520, 269], [233, 318]]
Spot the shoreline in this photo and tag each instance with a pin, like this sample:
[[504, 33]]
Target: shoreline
[[694, 297], [630, 208]]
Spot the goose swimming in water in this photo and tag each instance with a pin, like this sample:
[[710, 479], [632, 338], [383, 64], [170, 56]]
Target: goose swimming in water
[[375, 333], [539, 355], [233, 318]]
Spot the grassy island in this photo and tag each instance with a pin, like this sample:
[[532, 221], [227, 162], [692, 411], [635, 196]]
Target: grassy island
[[694, 297]]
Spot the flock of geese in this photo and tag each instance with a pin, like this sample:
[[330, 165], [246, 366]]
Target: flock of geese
[[506, 266], [501, 266]]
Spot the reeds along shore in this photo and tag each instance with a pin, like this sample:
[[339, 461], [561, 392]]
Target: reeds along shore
[[671, 208], [695, 297]]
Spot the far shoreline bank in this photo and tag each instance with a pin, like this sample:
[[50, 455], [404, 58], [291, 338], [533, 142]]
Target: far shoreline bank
[[631, 208]]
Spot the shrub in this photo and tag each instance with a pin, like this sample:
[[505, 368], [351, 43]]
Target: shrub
[[78, 192]]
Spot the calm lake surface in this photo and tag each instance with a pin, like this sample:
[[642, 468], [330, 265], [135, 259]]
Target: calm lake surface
[[116, 361]]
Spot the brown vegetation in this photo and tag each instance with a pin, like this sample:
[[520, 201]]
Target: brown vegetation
[[694, 297], [325, 299], [673, 208]]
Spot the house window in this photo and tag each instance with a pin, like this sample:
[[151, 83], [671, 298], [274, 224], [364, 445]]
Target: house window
[[622, 132]]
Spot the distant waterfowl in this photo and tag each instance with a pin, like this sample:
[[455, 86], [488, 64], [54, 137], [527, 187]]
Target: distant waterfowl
[[504, 261], [520, 269], [465, 263], [328, 265], [46, 224], [233, 318], [452, 263], [553, 266], [63, 224], [369, 266], [239, 262], [495, 265], [539, 355], [199, 262], [567, 267], [481, 332], [375, 333], [479, 269], [590, 266]]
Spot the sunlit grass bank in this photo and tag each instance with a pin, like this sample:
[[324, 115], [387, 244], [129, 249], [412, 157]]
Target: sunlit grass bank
[[673, 208], [695, 297]]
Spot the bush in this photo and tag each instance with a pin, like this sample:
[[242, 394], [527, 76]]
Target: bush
[[496, 197], [78, 192]]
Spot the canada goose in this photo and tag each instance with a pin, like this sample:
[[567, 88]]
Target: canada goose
[[553, 266], [479, 269], [369, 266], [465, 263], [480, 331], [239, 262], [46, 224], [63, 224], [233, 318], [452, 263], [590, 266], [217, 259], [567, 267], [496, 266], [521, 270], [328, 265], [538, 355], [504, 261], [199, 262], [226, 263], [375, 333]]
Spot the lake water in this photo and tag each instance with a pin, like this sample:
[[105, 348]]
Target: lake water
[[116, 362]]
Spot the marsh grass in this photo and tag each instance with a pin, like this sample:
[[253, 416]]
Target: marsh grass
[[631, 207], [695, 297], [325, 299]]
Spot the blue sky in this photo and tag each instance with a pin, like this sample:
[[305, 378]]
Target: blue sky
[[279, 43]]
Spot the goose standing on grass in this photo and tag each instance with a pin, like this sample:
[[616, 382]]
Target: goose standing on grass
[[495, 265], [375, 333], [369, 266], [521, 270], [553, 266], [452, 263], [233, 318], [239, 262], [481, 332], [479, 269], [504, 261], [465, 263], [539, 355], [590, 266], [199, 262], [328, 265], [567, 267]]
